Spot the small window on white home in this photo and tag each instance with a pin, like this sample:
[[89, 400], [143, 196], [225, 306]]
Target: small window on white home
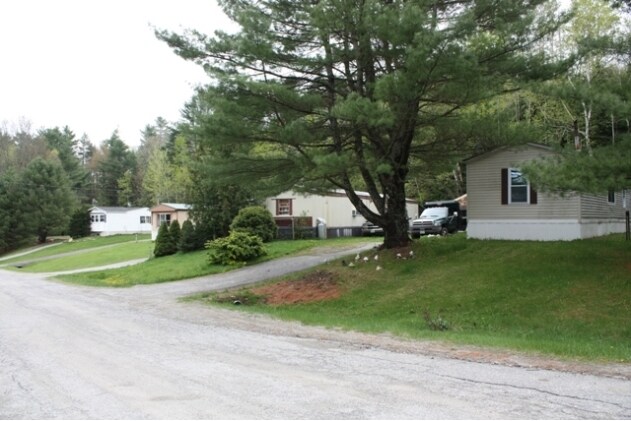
[[94, 218], [283, 207], [145, 219], [611, 196], [165, 217], [515, 188], [102, 218]]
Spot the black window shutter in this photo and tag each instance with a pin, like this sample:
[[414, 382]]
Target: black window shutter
[[504, 186], [533, 195]]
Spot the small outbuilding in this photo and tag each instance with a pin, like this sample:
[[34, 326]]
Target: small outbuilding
[[502, 204]]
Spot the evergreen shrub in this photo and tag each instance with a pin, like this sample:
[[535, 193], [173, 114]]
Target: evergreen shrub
[[238, 247], [80, 224], [176, 232], [188, 238], [255, 220], [164, 243]]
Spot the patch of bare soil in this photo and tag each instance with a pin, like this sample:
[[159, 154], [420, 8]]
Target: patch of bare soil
[[316, 286]]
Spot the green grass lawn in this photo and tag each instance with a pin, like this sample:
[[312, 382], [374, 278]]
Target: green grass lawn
[[122, 252], [190, 265], [80, 244], [564, 298]]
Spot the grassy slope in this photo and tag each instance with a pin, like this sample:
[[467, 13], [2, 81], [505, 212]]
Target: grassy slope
[[80, 244], [93, 258], [564, 298], [188, 265]]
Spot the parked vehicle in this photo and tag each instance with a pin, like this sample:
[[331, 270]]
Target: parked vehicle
[[442, 217], [368, 228], [433, 221]]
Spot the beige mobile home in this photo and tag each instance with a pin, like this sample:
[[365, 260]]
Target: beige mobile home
[[335, 209], [503, 205], [167, 212]]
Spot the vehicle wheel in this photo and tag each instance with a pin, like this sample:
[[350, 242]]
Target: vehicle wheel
[[444, 231]]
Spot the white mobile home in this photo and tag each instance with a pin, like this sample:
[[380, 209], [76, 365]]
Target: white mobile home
[[339, 214], [107, 220], [503, 205]]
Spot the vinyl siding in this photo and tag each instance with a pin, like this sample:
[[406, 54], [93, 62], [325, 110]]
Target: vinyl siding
[[597, 207], [121, 220], [336, 209], [484, 189]]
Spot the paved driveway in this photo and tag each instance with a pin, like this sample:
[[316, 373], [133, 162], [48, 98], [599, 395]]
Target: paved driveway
[[79, 352]]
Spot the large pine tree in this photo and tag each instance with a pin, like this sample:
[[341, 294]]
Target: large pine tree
[[45, 201], [315, 95], [118, 160]]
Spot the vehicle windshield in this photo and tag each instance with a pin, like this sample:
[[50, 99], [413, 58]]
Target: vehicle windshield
[[434, 213]]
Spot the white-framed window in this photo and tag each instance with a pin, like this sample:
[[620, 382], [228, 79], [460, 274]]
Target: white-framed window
[[518, 188], [515, 189], [283, 207], [611, 197], [145, 219], [98, 217], [164, 217]]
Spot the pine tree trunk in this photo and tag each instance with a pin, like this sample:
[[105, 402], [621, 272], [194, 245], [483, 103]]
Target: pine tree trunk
[[42, 234], [396, 228]]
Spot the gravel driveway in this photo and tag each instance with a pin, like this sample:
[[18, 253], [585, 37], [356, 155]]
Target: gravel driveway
[[78, 352]]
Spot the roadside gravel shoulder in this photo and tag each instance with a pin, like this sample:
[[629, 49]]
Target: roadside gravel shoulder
[[268, 325]]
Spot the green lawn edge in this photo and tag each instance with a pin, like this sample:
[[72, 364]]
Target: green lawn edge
[[568, 299], [80, 244]]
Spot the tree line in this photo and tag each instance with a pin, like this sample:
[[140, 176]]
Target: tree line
[[381, 96], [49, 178]]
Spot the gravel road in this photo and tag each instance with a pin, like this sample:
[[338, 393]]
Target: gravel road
[[76, 352]]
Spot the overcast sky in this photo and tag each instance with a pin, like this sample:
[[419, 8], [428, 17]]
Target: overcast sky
[[96, 66]]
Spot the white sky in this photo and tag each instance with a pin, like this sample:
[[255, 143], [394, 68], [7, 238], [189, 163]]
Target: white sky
[[96, 65]]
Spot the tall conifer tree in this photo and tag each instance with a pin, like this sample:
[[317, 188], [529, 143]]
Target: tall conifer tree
[[316, 95]]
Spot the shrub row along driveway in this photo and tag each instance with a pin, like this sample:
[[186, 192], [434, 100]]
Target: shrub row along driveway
[[78, 352]]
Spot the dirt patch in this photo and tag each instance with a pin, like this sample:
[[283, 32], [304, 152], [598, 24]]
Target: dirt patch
[[316, 286]]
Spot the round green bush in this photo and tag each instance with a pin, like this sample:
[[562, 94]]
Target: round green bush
[[238, 247], [255, 220]]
